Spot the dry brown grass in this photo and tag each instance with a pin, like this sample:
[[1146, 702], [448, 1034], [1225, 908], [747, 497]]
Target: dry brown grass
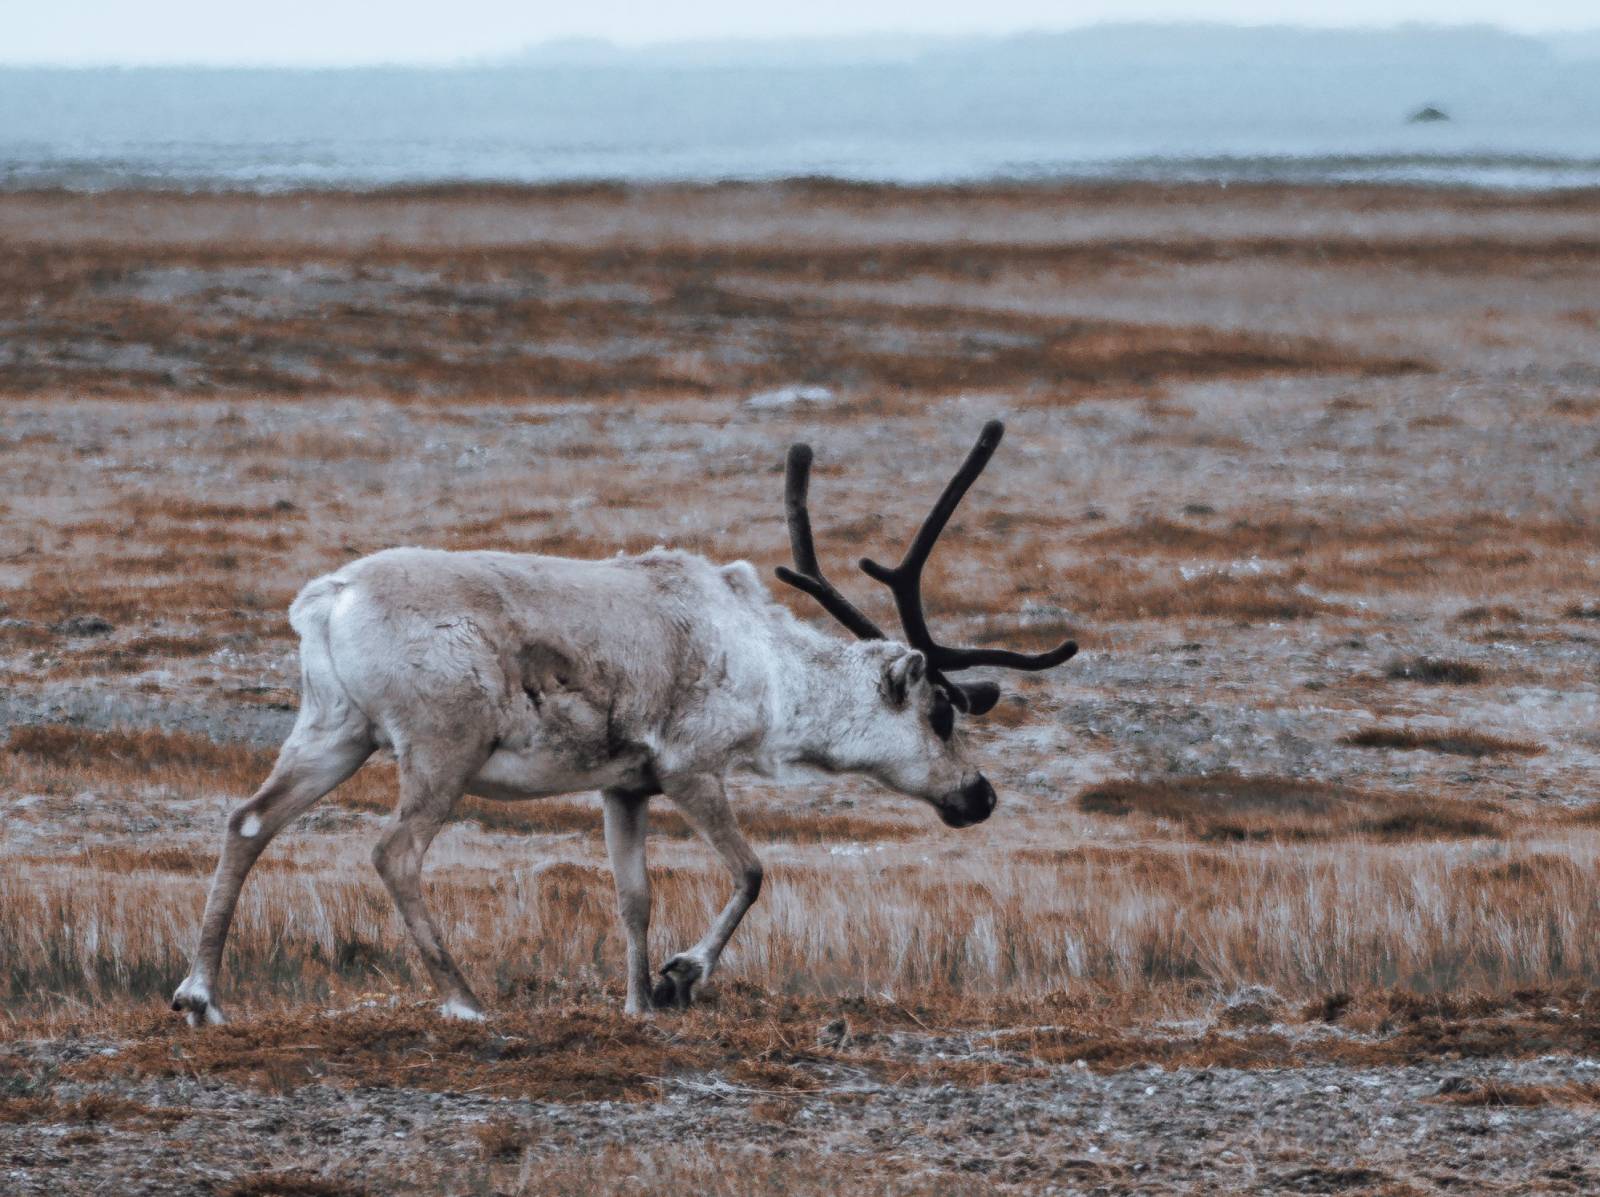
[[571, 1053], [1292, 557], [92, 1109], [1370, 896], [790, 1171], [772, 1046], [579, 319], [1434, 671], [184, 509], [1114, 590], [121, 860], [1289, 535], [293, 1184], [503, 1138], [1491, 613], [222, 603], [1500, 1094], [1459, 741], [144, 755], [1229, 806]]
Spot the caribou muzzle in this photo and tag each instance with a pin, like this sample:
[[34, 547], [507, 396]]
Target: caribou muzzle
[[972, 803]]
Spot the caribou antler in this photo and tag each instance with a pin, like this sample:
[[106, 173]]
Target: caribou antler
[[905, 581], [807, 574]]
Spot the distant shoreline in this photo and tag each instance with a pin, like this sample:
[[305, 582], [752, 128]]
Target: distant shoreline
[[1525, 173], [1070, 186]]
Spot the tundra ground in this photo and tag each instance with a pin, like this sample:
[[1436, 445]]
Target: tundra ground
[[1293, 887]]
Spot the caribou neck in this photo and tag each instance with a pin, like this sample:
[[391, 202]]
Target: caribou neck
[[815, 698]]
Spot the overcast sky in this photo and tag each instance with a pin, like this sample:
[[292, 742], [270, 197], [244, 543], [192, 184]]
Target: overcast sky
[[321, 32]]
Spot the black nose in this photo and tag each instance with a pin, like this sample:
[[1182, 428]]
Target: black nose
[[974, 804]]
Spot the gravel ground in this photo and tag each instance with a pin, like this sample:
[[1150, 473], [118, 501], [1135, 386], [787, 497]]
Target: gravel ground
[[1314, 1129]]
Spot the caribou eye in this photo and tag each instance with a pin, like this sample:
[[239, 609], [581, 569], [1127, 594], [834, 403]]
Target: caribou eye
[[943, 717]]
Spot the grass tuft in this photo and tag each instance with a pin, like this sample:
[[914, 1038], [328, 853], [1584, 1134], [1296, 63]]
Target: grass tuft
[[1505, 1094], [292, 1184], [1232, 807], [1435, 671], [1454, 742]]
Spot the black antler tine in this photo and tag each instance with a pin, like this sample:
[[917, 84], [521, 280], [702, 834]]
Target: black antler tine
[[905, 580], [796, 482], [951, 659], [808, 576], [955, 490], [905, 584]]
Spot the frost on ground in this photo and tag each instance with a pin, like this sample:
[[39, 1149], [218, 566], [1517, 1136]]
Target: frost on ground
[[1293, 885]]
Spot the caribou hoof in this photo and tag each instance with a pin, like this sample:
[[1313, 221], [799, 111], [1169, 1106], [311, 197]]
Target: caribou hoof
[[194, 1002], [675, 990]]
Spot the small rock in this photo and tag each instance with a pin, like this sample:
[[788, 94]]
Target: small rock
[[789, 397], [84, 625]]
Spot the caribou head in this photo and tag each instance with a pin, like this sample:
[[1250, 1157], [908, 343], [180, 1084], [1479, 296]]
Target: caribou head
[[914, 745]]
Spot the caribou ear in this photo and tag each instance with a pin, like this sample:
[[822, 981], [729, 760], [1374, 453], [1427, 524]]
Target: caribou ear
[[901, 674], [980, 696]]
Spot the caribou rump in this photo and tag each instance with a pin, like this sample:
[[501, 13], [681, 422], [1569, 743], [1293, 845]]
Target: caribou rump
[[517, 676]]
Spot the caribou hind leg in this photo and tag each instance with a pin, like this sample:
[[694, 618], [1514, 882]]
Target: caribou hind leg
[[704, 804], [315, 758]]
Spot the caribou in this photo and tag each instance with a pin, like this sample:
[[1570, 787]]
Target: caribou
[[516, 676]]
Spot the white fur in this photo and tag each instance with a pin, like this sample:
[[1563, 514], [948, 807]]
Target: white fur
[[250, 828], [692, 665]]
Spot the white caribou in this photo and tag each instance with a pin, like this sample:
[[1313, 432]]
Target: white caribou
[[516, 676]]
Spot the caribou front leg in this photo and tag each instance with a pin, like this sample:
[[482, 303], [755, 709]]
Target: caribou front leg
[[431, 782], [704, 804], [625, 815]]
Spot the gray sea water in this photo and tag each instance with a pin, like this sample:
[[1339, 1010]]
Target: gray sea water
[[1170, 103]]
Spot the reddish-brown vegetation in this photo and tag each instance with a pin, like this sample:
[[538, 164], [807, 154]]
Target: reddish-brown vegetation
[[91, 1109], [1228, 806], [1500, 1094], [1454, 741], [135, 755], [714, 320], [585, 1053], [1435, 671]]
